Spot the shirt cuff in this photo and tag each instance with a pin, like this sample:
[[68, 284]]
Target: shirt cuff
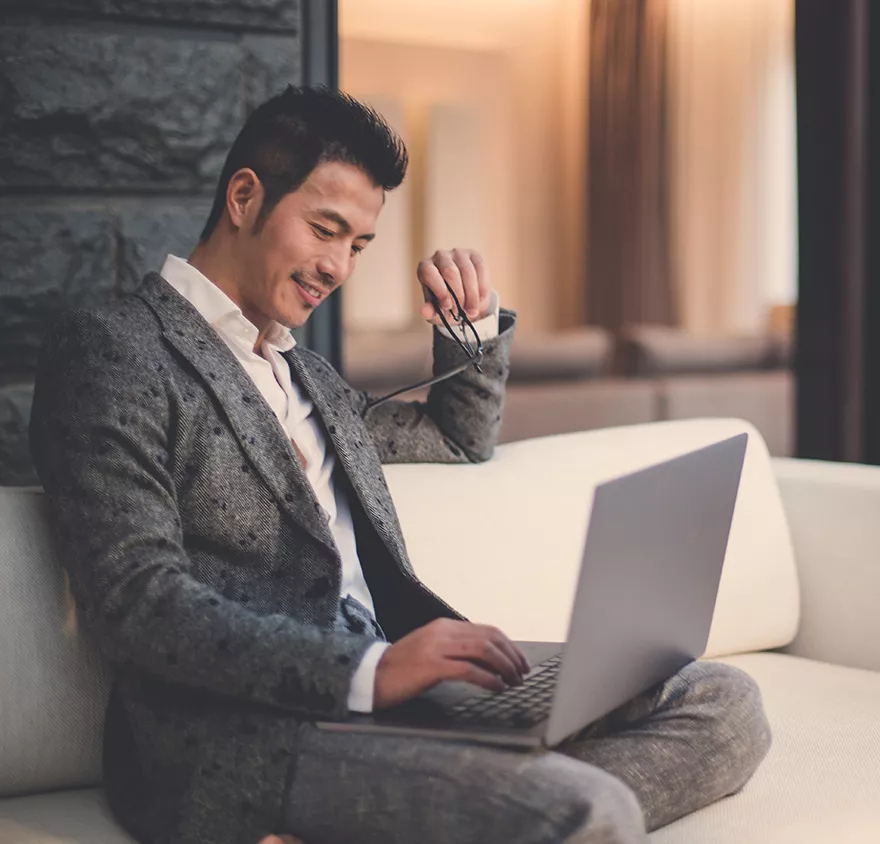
[[487, 326], [360, 696]]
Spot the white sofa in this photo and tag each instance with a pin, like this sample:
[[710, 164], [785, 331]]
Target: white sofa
[[798, 610]]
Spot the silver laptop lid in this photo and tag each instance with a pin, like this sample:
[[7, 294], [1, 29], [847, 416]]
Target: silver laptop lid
[[652, 563]]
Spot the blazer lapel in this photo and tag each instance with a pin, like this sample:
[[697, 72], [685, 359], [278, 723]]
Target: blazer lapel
[[357, 458], [255, 426]]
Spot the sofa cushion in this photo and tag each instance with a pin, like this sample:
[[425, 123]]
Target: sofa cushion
[[650, 350], [54, 688], [820, 782], [560, 407], [502, 540], [766, 399], [65, 817], [563, 355]]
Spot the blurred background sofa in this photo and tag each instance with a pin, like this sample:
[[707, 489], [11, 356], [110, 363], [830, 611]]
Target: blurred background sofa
[[584, 379]]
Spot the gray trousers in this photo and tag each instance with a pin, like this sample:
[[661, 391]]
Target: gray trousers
[[690, 741]]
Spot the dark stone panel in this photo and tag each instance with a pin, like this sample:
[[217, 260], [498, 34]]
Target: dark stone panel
[[270, 63], [53, 258], [16, 468], [149, 232], [243, 14], [104, 110]]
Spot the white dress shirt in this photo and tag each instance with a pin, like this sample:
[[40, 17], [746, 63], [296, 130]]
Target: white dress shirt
[[297, 416]]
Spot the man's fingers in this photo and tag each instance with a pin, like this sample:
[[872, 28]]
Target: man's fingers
[[484, 281], [431, 279], [462, 271], [503, 642], [512, 650], [527, 666], [469, 282], [514, 654], [465, 671], [451, 274], [489, 648], [492, 658]]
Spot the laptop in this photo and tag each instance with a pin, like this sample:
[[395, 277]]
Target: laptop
[[651, 566]]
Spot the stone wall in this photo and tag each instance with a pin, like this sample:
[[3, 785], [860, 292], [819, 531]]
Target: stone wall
[[115, 119]]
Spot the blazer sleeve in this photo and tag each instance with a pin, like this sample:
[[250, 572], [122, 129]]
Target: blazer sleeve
[[461, 419], [100, 431]]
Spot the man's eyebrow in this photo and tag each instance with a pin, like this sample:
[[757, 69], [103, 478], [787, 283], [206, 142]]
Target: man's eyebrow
[[344, 226]]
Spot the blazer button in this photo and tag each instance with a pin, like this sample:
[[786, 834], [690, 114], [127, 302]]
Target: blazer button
[[319, 588]]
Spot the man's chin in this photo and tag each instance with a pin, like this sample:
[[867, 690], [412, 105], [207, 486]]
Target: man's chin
[[293, 317], [297, 320], [292, 312]]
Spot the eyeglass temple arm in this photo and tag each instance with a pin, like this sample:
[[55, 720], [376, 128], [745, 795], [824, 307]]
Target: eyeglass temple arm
[[428, 382], [476, 355]]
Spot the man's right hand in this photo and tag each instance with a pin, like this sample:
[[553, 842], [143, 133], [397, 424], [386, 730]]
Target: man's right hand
[[447, 650]]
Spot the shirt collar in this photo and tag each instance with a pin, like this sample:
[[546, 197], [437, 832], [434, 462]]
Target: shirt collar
[[216, 307]]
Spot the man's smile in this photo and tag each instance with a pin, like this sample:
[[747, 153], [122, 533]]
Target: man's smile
[[310, 293]]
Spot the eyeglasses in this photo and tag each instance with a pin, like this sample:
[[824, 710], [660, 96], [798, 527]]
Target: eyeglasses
[[463, 332]]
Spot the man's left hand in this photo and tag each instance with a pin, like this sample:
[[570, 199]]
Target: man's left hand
[[465, 271]]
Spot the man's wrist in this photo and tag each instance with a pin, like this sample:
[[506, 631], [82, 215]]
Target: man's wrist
[[492, 307]]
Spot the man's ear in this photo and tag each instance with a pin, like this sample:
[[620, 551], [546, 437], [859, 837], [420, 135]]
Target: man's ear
[[244, 196]]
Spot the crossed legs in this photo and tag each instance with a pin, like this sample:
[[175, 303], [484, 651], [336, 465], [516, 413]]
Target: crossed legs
[[692, 740]]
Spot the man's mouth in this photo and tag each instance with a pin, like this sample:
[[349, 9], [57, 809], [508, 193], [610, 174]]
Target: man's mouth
[[313, 295]]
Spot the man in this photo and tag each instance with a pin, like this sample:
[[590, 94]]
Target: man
[[233, 549]]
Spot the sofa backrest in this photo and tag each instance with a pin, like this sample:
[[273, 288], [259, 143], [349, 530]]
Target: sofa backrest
[[53, 687], [658, 350], [502, 540], [572, 355]]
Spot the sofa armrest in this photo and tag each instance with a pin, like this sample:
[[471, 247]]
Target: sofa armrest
[[833, 510]]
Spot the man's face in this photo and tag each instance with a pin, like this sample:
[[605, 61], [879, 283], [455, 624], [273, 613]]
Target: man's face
[[307, 246]]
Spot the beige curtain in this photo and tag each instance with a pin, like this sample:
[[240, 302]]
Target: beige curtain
[[629, 239], [732, 162]]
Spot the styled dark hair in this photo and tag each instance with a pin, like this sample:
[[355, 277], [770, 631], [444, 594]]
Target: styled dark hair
[[290, 134]]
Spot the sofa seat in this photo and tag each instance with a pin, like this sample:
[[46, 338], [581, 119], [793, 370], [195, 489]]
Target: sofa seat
[[64, 817], [819, 783]]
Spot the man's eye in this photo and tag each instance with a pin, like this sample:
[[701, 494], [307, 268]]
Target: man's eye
[[322, 232], [356, 250]]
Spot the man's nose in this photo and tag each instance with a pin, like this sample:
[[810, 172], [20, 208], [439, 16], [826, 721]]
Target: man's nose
[[334, 265]]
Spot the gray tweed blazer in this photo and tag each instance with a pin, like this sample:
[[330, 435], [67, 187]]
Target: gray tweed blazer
[[199, 558]]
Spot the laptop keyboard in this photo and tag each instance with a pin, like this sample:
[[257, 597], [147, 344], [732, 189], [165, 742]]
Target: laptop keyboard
[[518, 706]]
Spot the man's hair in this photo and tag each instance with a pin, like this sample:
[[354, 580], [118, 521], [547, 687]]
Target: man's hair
[[289, 135]]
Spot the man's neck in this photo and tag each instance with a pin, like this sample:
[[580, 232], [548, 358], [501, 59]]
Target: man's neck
[[219, 268], [217, 263]]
